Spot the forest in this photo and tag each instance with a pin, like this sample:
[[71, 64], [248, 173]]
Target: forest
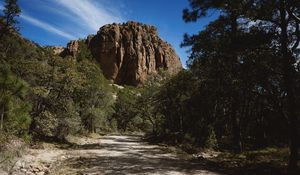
[[239, 93]]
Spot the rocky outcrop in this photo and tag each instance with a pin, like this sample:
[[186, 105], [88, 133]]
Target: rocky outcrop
[[128, 53], [56, 50], [73, 47]]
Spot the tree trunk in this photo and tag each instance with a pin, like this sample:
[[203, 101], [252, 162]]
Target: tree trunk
[[2, 118], [288, 72], [236, 130], [91, 125]]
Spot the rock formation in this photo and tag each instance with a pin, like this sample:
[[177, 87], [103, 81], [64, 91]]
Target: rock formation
[[129, 52], [56, 50], [72, 47]]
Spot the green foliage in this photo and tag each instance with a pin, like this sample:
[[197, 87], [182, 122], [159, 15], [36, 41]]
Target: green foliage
[[235, 93], [8, 20], [148, 100], [95, 99], [56, 97], [18, 118], [241, 90], [260, 74], [136, 109], [210, 138], [83, 52], [232, 78], [14, 111], [46, 124], [64, 94], [125, 109]]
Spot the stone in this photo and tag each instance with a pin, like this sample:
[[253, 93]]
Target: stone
[[128, 53], [19, 164], [35, 169], [73, 47], [56, 50], [40, 173]]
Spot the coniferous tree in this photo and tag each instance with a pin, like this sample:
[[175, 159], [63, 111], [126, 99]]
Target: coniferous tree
[[10, 12], [228, 48], [282, 18], [14, 112], [274, 29]]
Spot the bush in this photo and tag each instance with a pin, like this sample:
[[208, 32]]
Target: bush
[[210, 139], [46, 124]]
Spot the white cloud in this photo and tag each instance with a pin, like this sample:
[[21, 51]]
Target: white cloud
[[90, 13], [73, 19], [46, 26]]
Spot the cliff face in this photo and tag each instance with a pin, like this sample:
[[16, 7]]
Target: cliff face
[[56, 50], [129, 52]]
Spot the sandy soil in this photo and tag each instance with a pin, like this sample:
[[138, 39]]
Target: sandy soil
[[115, 155]]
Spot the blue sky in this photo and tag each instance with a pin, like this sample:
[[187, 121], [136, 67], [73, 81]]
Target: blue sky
[[55, 22]]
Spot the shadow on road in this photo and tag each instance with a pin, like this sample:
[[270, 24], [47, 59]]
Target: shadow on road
[[128, 155], [122, 155]]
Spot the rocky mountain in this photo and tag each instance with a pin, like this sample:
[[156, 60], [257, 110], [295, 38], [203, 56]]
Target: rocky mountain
[[129, 52]]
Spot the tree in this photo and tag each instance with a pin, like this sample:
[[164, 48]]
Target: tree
[[95, 98], [125, 109], [10, 12], [14, 112], [227, 25], [67, 95], [250, 50], [148, 101], [283, 18], [64, 81]]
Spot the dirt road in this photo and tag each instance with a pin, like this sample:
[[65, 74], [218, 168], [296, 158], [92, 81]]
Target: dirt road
[[115, 155]]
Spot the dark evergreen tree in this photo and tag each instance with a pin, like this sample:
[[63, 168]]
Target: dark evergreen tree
[[10, 12], [283, 18], [271, 32]]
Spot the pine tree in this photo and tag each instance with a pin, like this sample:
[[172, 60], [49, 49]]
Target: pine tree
[[14, 112], [10, 12], [283, 17]]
